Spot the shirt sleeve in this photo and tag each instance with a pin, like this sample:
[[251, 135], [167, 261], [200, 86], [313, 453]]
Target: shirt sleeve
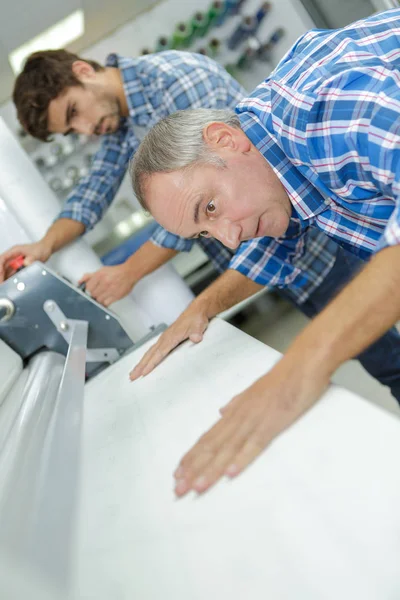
[[95, 192], [165, 239], [354, 143], [192, 81]]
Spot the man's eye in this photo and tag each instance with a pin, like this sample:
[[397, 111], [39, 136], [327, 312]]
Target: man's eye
[[211, 207], [204, 234]]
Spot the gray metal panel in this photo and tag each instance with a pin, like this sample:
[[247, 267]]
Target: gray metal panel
[[30, 328]]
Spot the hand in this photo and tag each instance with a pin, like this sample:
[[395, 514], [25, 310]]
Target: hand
[[190, 325], [109, 284], [248, 424], [37, 251]]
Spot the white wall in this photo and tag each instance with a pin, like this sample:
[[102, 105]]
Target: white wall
[[145, 29], [143, 32]]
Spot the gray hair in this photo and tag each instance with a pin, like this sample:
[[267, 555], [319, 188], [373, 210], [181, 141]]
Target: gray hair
[[176, 143]]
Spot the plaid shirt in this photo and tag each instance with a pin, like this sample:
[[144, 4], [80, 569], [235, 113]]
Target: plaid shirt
[[300, 274], [156, 86], [327, 121]]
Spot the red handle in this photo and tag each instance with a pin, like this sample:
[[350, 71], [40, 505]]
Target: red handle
[[17, 262]]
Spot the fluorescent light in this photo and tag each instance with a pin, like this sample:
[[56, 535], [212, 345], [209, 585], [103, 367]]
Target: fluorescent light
[[58, 36]]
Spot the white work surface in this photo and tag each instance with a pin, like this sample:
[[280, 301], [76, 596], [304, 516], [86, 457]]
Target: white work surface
[[317, 517]]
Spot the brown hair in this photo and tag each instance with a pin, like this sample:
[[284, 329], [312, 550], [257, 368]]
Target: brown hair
[[45, 76]]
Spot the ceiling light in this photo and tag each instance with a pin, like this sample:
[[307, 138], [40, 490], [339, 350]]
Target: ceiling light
[[58, 36]]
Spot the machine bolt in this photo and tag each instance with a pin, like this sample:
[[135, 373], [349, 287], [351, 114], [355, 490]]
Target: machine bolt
[[7, 309], [20, 286], [49, 306], [64, 326]]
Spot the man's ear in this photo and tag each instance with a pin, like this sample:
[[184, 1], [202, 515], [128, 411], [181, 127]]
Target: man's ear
[[220, 135], [82, 70]]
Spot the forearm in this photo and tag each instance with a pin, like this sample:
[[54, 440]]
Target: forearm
[[226, 291], [62, 232], [359, 315], [147, 259]]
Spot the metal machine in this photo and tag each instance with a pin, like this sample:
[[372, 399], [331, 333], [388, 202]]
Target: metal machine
[[40, 309], [64, 338]]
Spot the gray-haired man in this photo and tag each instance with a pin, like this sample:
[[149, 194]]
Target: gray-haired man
[[316, 145]]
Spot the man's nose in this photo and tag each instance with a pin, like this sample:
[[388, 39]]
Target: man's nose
[[81, 125], [227, 233]]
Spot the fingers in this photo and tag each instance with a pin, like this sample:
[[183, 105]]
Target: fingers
[[85, 278], [154, 356], [198, 330], [249, 451], [206, 462], [106, 285], [184, 328], [224, 410], [94, 285], [5, 257], [225, 450], [108, 301]]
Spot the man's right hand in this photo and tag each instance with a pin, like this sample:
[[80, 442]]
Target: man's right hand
[[190, 325], [31, 252]]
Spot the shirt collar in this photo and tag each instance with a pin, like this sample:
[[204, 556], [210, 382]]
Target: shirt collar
[[139, 107], [306, 200]]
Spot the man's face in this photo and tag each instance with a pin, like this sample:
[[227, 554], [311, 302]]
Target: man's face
[[90, 109], [241, 201]]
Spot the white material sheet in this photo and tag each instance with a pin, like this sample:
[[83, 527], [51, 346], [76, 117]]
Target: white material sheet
[[315, 517], [10, 368]]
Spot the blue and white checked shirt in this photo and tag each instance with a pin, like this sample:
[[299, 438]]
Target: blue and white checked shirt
[[328, 122], [155, 86]]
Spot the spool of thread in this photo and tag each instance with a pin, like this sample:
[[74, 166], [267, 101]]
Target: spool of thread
[[88, 159], [200, 24], [162, 44], [214, 47], [182, 36], [67, 184], [56, 184], [249, 55], [276, 36], [231, 69], [216, 13], [262, 12], [56, 149], [246, 28], [40, 163], [264, 52], [69, 147], [233, 7], [50, 160], [72, 172]]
